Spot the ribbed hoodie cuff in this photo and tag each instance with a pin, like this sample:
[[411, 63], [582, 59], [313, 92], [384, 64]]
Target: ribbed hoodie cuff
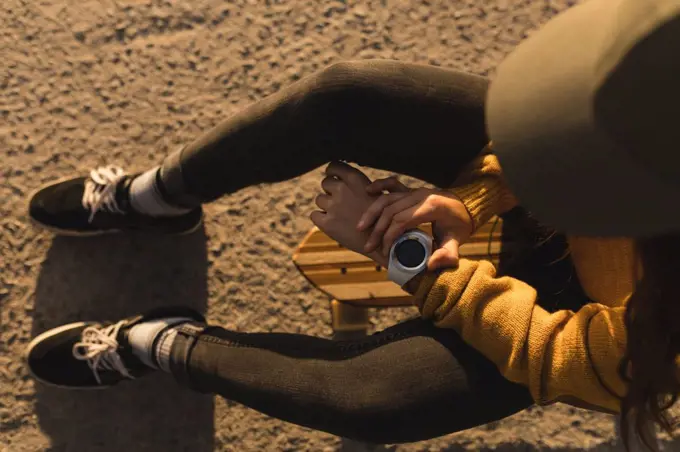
[[484, 198]]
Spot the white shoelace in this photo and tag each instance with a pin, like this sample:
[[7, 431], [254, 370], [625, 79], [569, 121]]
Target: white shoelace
[[100, 190], [99, 347]]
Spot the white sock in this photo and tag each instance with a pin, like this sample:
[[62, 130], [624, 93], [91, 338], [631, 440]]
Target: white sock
[[142, 337], [164, 347], [146, 198]]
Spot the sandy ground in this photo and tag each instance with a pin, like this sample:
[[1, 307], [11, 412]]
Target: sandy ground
[[127, 81]]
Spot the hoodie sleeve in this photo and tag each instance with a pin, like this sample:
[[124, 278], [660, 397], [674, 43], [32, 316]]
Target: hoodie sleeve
[[482, 190], [563, 356]]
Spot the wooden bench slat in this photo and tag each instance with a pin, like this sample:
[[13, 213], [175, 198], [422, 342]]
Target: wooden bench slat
[[323, 276], [343, 256], [353, 278], [336, 258], [330, 245], [402, 301], [364, 291]]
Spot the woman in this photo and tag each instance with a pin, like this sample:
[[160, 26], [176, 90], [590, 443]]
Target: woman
[[570, 116], [379, 113]]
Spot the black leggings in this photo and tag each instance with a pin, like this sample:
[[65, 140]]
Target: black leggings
[[421, 121], [410, 382]]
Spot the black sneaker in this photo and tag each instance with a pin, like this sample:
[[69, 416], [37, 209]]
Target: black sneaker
[[92, 355], [99, 204]]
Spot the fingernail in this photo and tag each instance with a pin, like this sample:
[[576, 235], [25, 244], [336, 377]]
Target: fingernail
[[360, 225]]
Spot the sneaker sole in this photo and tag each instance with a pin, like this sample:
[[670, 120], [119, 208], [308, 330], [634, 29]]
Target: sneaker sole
[[45, 335], [70, 233]]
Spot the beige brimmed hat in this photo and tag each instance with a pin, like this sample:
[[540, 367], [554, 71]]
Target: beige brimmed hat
[[585, 119]]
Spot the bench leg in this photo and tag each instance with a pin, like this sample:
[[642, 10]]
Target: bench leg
[[348, 321]]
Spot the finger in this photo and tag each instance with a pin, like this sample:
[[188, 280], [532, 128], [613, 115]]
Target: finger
[[447, 256], [337, 169], [331, 185], [344, 172], [386, 218], [319, 219], [323, 202], [390, 184], [410, 218], [375, 209]]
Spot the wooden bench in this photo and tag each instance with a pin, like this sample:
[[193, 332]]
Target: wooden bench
[[356, 284]]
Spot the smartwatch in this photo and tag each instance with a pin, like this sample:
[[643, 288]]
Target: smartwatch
[[409, 256]]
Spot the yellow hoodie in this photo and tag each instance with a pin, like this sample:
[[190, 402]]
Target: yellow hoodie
[[561, 356]]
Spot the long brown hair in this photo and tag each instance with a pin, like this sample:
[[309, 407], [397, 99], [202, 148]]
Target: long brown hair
[[653, 326], [652, 315]]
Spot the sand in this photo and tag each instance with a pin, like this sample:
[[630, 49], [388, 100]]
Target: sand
[[127, 81]]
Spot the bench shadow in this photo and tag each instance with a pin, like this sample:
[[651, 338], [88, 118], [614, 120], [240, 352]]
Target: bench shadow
[[110, 278]]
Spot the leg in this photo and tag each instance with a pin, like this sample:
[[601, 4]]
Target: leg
[[418, 120], [408, 383]]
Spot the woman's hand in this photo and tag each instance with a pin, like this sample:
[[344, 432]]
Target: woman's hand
[[344, 201], [390, 215]]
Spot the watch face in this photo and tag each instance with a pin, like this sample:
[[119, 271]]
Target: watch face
[[410, 253]]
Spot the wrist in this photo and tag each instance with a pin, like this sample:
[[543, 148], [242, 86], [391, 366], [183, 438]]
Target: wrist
[[483, 199], [413, 284], [379, 258]]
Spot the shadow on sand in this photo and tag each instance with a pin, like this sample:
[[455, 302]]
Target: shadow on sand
[[110, 278]]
